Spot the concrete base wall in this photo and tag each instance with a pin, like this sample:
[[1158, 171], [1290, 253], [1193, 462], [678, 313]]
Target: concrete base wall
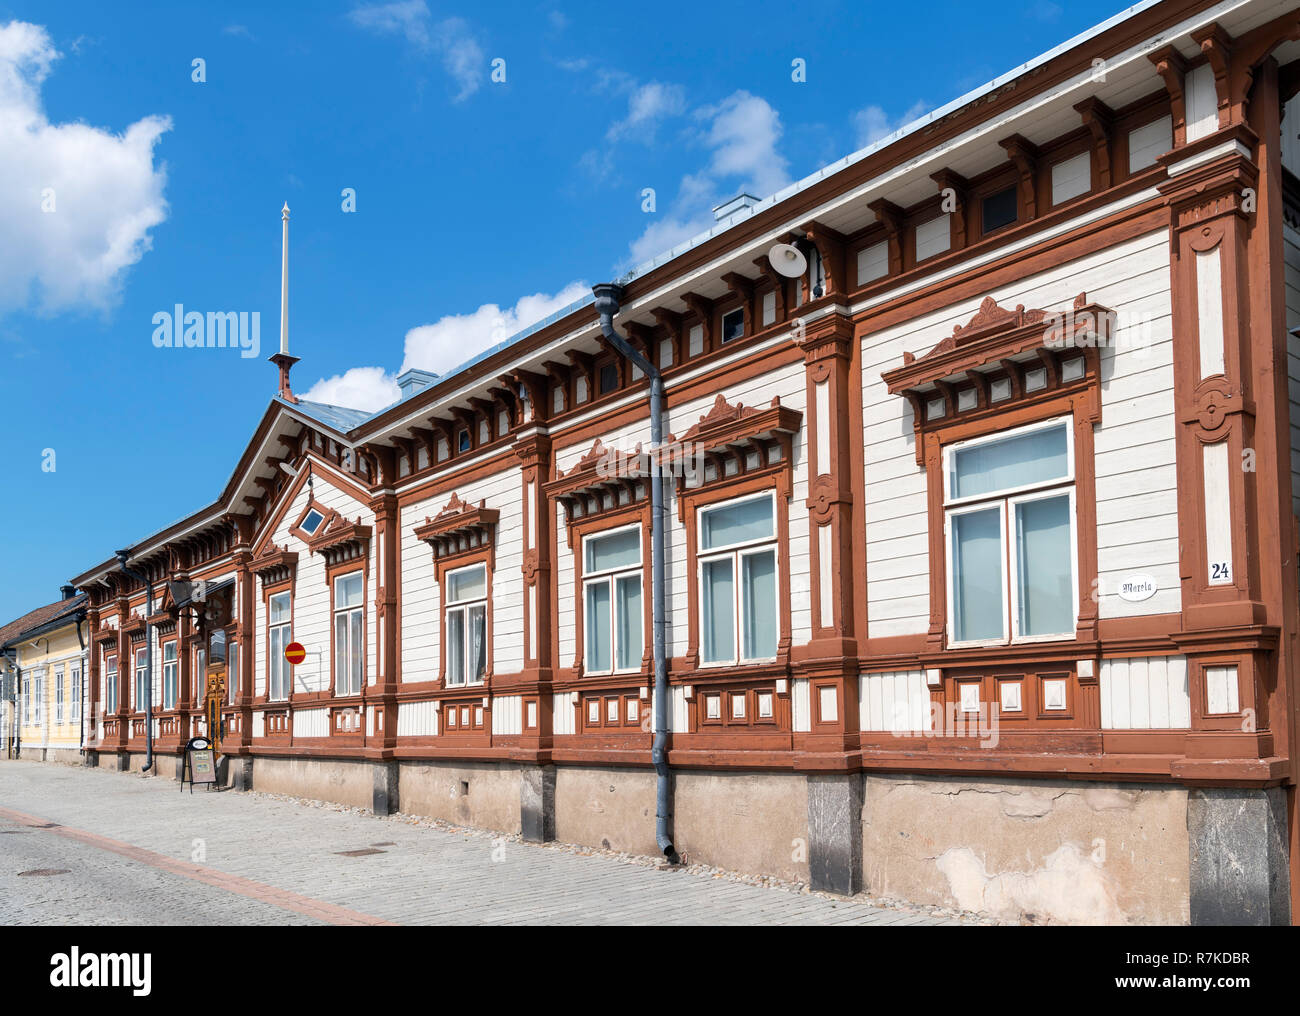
[[338, 780], [1046, 851], [483, 795]]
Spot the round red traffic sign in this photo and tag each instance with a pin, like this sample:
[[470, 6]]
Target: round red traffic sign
[[295, 653]]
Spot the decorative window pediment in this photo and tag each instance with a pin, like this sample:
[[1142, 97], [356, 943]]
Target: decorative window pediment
[[1002, 359], [339, 540], [459, 528], [603, 480], [275, 564]]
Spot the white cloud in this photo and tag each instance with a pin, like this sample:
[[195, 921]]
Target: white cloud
[[441, 347], [647, 106], [104, 190], [366, 388], [871, 123], [450, 40], [742, 135]]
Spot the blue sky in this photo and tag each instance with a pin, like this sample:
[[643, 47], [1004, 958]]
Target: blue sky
[[481, 205]]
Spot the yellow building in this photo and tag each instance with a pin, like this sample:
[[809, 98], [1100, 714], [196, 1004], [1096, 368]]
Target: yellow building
[[43, 657]]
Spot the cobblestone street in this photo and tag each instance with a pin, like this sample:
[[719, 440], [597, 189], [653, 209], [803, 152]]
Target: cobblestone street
[[133, 850]]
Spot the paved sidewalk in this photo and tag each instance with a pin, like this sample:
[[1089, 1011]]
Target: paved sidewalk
[[138, 851]]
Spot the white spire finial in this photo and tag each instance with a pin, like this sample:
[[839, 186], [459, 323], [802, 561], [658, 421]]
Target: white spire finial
[[284, 281]]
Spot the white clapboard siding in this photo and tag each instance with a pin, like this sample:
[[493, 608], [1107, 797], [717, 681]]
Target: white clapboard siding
[[1137, 500], [417, 719], [1221, 690], [421, 597], [507, 714], [1071, 177], [312, 624], [933, 236], [897, 701], [564, 708], [1145, 693], [800, 705], [1148, 142], [1202, 103], [873, 262], [787, 384], [311, 723]]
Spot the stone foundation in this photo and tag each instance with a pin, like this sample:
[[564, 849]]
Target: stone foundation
[[1046, 851]]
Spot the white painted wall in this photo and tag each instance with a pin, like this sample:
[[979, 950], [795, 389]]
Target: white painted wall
[[1136, 495]]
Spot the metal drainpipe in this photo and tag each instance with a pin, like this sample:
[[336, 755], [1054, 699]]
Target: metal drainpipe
[[81, 685], [608, 296], [122, 556]]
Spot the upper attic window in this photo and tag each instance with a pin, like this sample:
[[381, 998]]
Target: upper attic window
[[999, 209], [311, 522], [462, 441], [733, 324], [608, 378]]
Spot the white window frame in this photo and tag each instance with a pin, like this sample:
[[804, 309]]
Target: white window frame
[[171, 673], [737, 552], [110, 683], [141, 678], [59, 675], [1006, 499], [463, 607], [722, 326], [611, 577], [276, 663], [75, 688], [345, 651]]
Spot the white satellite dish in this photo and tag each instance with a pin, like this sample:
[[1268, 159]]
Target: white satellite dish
[[788, 260]]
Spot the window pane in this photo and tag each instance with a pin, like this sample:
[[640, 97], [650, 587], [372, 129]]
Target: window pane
[[340, 653], [1014, 461], [311, 520], [1044, 570], [232, 672], [977, 575], [615, 550], [1000, 209], [596, 624], [737, 523], [279, 608], [347, 591], [357, 647], [631, 645], [477, 649], [758, 597], [455, 646], [467, 584], [718, 599], [169, 652]]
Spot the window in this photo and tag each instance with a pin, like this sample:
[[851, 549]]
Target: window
[[58, 695], [201, 675], [612, 611], [608, 378], [737, 581], [462, 441], [311, 522], [27, 701], [1000, 209], [141, 679], [110, 684], [279, 634], [74, 689], [465, 624], [733, 324], [171, 675], [1009, 527], [38, 696], [349, 643], [232, 672]]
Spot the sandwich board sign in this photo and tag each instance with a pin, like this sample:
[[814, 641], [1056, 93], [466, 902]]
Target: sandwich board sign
[[200, 762]]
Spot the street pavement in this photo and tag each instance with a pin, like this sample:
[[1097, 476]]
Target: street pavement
[[129, 849]]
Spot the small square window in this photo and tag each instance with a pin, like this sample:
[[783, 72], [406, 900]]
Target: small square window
[[733, 324], [608, 378], [311, 522], [462, 441], [1000, 209]]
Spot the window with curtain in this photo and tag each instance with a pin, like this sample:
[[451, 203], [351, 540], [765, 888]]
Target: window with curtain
[[737, 581], [465, 624], [1009, 527], [279, 634], [612, 606], [349, 642], [141, 680], [171, 675], [110, 684]]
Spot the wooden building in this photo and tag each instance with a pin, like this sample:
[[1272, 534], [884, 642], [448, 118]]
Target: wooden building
[[43, 658], [981, 533]]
